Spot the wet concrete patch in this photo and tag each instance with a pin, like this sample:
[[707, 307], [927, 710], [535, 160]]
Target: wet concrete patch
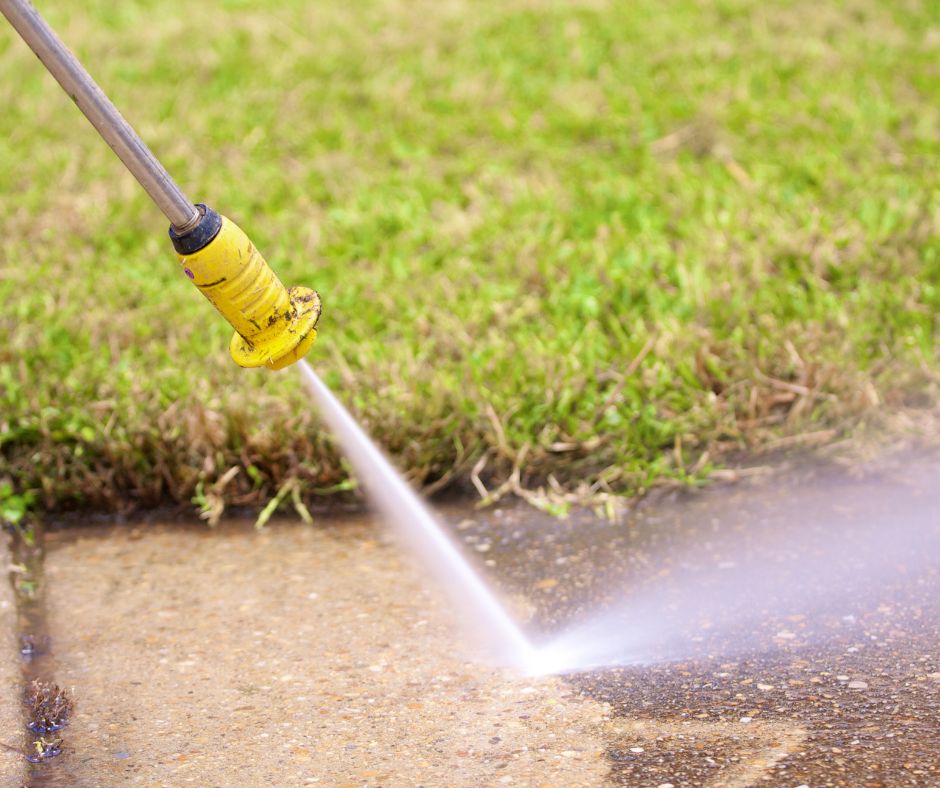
[[296, 656], [46, 707], [12, 720], [687, 752], [796, 628]]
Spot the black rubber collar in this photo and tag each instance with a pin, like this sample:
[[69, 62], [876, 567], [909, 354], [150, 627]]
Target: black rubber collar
[[199, 237]]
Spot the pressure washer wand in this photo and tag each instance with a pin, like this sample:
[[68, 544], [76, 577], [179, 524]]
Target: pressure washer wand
[[273, 326]]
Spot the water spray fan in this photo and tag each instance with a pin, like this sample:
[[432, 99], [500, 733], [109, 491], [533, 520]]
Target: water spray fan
[[274, 326]]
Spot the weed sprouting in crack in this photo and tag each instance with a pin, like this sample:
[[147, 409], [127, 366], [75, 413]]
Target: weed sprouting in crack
[[49, 707]]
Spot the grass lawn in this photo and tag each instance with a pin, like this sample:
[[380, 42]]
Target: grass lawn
[[591, 243]]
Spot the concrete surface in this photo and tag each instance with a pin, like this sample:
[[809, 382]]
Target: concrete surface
[[788, 634], [295, 656]]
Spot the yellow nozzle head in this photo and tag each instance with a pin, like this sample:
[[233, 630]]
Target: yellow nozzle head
[[288, 334], [274, 326]]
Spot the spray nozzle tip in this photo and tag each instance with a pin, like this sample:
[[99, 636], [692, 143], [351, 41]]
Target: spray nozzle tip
[[286, 337]]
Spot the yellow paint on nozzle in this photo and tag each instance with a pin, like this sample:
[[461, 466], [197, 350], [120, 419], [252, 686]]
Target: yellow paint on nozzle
[[273, 326]]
